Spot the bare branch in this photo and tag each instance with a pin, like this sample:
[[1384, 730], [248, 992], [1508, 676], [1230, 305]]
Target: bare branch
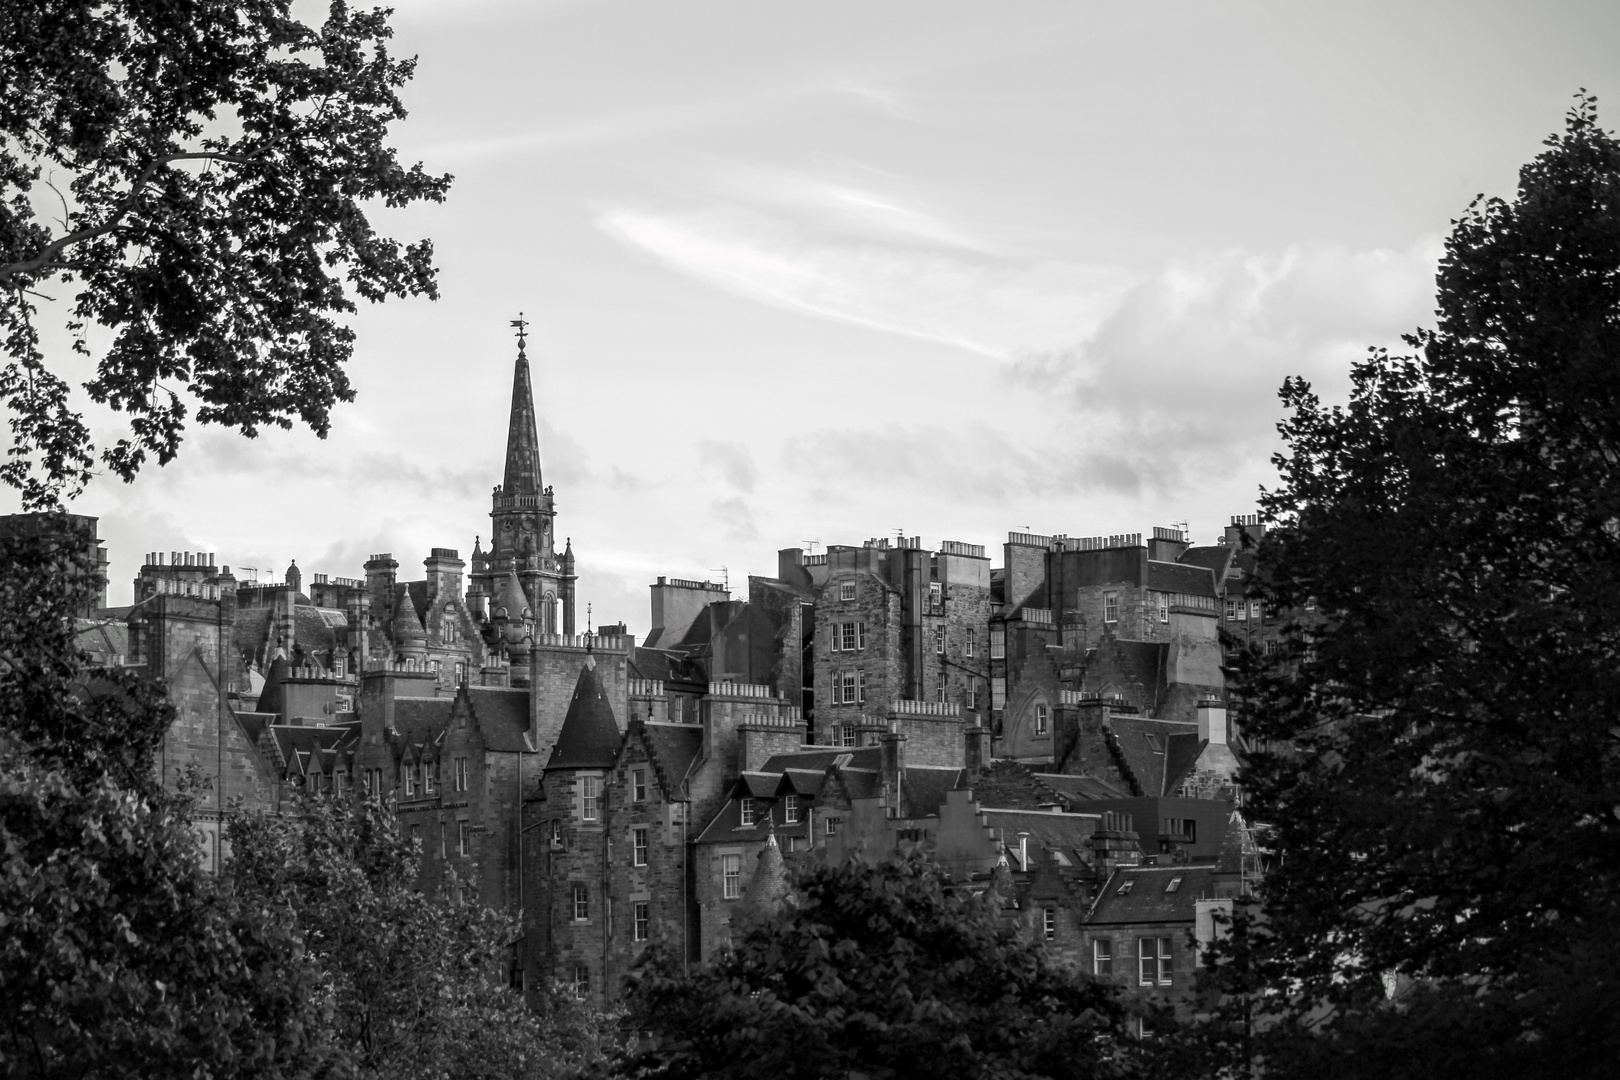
[[45, 257]]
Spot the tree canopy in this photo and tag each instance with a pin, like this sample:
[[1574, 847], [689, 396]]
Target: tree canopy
[[1446, 816], [878, 971], [196, 176]]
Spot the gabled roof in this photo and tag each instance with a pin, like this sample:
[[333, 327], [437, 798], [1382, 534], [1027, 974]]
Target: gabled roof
[[1081, 788], [802, 781], [1181, 754], [1215, 558], [758, 785], [672, 748], [1146, 901], [590, 736], [1145, 744], [1180, 578], [1066, 833], [502, 716], [923, 789]]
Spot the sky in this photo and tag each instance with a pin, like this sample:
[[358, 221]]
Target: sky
[[814, 273]]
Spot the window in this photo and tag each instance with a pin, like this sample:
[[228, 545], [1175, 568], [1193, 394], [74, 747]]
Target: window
[[1153, 955], [640, 920], [846, 636], [860, 635], [998, 693], [1254, 609], [1232, 608], [463, 837], [582, 979], [1271, 646], [582, 902], [790, 809], [461, 673], [731, 876], [410, 783], [846, 734], [1164, 606], [939, 686], [1175, 883], [1041, 717], [338, 780], [1130, 883], [831, 826], [675, 710], [1102, 957], [1049, 922], [998, 644], [860, 687], [589, 789], [427, 777], [847, 678], [638, 785], [461, 774], [435, 665], [846, 590], [748, 811], [936, 597], [556, 834], [638, 848], [442, 830], [939, 640], [1110, 607], [967, 643], [972, 695]]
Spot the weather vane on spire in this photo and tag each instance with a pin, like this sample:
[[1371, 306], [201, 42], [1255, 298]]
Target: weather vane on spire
[[522, 326]]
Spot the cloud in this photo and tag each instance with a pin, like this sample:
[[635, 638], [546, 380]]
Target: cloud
[[736, 516], [731, 460], [1190, 360], [987, 305]]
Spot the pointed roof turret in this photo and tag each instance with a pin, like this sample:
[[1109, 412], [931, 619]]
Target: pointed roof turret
[[589, 738], [522, 439], [270, 698], [768, 887], [407, 627]]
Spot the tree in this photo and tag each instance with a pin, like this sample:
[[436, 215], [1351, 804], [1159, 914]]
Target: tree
[[1448, 818], [209, 164], [877, 971], [417, 984], [118, 957]]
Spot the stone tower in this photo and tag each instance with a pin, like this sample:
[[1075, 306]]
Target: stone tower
[[523, 520]]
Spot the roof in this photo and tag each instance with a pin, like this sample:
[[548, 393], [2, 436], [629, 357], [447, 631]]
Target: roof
[[1069, 834], [1214, 558], [270, 698], [1180, 578], [502, 716], [768, 887], [672, 748], [1009, 783], [1081, 787], [1181, 754], [420, 719], [1146, 901], [590, 737], [105, 639], [1145, 745], [758, 785], [406, 626], [819, 758], [663, 664], [923, 790], [804, 781]]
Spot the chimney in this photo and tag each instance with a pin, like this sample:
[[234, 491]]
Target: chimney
[[894, 767], [1212, 721], [976, 755], [1023, 852], [444, 569]]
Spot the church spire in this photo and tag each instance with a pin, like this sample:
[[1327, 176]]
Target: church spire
[[522, 441]]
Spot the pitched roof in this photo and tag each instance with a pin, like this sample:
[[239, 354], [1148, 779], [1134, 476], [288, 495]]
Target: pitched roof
[[1181, 754], [1144, 744], [421, 719], [1081, 788], [590, 737], [270, 698], [1146, 901], [502, 716], [1180, 578], [1215, 558], [924, 787], [1066, 833], [672, 748], [406, 627]]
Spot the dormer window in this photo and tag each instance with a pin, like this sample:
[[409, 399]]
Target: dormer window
[[748, 811], [790, 809]]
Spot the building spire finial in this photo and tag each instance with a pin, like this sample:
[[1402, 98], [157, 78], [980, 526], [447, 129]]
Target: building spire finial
[[522, 326], [522, 438]]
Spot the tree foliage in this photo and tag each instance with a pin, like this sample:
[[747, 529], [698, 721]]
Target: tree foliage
[[877, 971], [1449, 812], [196, 174], [118, 957], [416, 984]]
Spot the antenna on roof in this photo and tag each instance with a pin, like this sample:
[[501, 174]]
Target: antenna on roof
[[811, 544], [725, 576]]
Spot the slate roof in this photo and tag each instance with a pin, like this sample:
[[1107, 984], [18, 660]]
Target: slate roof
[[1146, 901], [590, 737], [862, 757], [502, 716], [673, 747], [1180, 578], [758, 785], [663, 664], [768, 887], [105, 639], [421, 719], [1146, 746], [1066, 833], [406, 625], [923, 789], [1010, 784], [1180, 756], [1082, 788], [270, 698], [804, 781], [1215, 558]]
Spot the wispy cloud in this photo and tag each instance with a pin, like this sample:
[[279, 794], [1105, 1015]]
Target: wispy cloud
[[986, 305]]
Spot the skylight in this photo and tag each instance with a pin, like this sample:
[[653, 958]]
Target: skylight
[[1175, 883], [1125, 888]]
